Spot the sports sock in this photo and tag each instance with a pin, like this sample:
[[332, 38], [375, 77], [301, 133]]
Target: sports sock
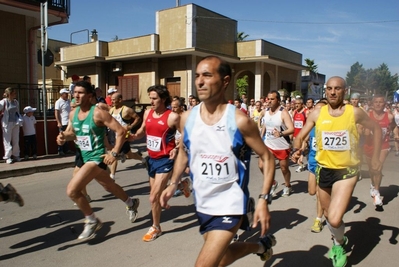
[[91, 218], [337, 233], [129, 202]]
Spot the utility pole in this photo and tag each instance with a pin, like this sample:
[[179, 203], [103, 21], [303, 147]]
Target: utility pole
[[44, 25]]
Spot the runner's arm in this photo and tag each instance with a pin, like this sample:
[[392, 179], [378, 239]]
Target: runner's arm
[[252, 139], [179, 166]]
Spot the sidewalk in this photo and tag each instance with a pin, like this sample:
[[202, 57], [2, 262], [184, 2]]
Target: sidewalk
[[49, 163], [41, 164]]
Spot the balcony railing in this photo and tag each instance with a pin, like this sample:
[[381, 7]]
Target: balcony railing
[[59, 5]]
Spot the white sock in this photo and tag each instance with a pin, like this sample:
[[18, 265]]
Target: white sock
[[112, 176], [129, 202], [318, 218], [91, 218], [337, 233]]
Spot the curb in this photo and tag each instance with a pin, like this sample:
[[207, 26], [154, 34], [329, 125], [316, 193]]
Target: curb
[[35, 169]]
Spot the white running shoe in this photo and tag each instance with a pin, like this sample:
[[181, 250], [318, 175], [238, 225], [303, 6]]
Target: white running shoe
[[273, 189], [90, 229], [286, 191], [377, 200]]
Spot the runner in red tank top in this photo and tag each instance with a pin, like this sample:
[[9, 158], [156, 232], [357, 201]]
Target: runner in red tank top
[[159, 126], [387, 124]]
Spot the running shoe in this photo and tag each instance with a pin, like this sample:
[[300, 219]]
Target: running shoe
[[377, 200], [397, 154], [372, 191], [185, 187], [132, 211], [152, 234], [267, 242], [122, 157], [338, 254], [90, 229], [273, 189], [9, 161], [178, 193], [299, 169], [317, 226], [286, 191]]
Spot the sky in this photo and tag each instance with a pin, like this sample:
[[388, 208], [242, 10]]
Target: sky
[[335, 34]]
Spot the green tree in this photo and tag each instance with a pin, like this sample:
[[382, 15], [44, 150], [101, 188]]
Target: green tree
[[372, 81], [242, 85], [385, 83], [241, 36], [310, 65]]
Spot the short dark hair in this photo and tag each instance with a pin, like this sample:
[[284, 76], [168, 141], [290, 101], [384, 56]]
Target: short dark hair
[[162, 92], [277, 94], [87, 86], [224, 67]]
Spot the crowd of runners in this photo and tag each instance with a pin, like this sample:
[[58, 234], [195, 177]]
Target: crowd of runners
[[207, 146]]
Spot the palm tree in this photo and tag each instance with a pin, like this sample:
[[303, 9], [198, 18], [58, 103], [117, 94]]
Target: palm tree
[[241, 36], [311, 67]]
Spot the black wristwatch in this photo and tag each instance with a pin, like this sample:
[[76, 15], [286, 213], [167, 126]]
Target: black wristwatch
[[114, 154], [266, 197]]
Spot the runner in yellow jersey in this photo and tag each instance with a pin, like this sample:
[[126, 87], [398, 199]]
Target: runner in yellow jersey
[[337, 142]]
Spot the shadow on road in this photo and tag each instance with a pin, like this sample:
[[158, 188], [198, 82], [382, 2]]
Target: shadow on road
[[48, 220], [365, 236], [312, 257]]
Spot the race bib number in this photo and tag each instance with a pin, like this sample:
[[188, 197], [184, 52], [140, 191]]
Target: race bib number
[[298, 124], [336, 140], [313, 145], [217, 169], [269, 134], [84, 143], [154, 143], [384, 132]]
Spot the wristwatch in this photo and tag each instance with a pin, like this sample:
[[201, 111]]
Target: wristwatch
[[266, 197], [114, 154]]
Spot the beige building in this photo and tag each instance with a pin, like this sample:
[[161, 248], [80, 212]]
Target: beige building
[[20, 31], [184, 35]]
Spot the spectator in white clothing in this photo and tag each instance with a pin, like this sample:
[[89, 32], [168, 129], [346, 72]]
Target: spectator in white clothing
[[62, 109], [10, 121], [29, 129]]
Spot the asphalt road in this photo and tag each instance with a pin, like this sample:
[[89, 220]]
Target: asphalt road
[[43, 232]]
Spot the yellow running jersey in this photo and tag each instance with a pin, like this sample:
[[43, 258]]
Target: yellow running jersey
[[337, 139]]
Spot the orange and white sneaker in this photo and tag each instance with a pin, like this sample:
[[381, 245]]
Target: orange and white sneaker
[[185, 187], [152, 234], [377, 200]]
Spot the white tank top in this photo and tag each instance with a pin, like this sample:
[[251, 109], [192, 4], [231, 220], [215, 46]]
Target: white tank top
[[396, 117], [220, 178], [272, 123]]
